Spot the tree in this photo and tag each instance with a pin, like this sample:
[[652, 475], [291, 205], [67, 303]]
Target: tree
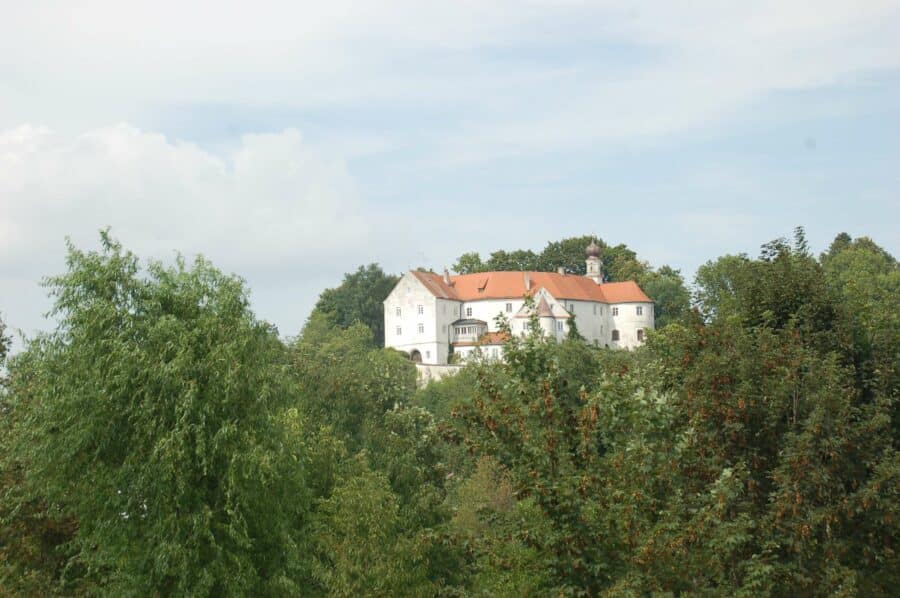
[[347, 383], [360, 547], [567, 253], [469, 263], [528, 414], [520, 259], [671, 299], [157, 417], [4, 342], [619, 262], [359, 298]]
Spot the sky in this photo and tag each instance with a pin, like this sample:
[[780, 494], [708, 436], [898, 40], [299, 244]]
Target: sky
[[290, 142]]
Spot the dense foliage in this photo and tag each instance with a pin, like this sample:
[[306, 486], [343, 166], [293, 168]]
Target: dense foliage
[[162, 440], [359, 298]]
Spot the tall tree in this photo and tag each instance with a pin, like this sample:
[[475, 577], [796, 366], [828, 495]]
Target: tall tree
[[671, 298], [469, 263], [4, 341], [567, 253], [520, 259], [359, 298], [155, 417]]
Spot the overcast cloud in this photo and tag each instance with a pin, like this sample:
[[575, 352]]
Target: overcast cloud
[[291, 141]]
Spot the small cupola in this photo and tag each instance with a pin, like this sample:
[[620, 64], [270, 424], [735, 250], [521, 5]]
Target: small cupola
[[593, 262]]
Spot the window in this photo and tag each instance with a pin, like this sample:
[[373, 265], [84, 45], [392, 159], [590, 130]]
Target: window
[[595, 309], [640, 335], [615, 311], [639, 310], [422, 309], [469, 311], [615, 335], [559, 326], [508, 307], [421, 328], [428, 354], [399, 331], [398, 311]]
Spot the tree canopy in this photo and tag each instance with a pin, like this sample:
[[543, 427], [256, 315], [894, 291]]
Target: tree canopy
[[359, 298], [163, 440]]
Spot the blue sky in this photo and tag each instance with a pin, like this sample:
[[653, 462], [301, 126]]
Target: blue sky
[[290, 142]]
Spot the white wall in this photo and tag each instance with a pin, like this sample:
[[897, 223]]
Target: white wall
[[488, 309], [408, 295], [627, 322], [591, 319], [492, 352], [447, 312], [595, 321]]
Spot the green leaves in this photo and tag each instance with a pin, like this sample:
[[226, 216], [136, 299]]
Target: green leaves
[[359, 298], [163, 439], [149, 417]]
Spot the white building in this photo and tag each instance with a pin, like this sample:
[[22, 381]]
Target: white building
[[430, 317]]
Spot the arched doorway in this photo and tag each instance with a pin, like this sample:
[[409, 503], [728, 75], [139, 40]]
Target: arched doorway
[[415, 356]]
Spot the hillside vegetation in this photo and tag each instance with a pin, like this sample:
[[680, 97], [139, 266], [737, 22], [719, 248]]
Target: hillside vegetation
[[163, 440]]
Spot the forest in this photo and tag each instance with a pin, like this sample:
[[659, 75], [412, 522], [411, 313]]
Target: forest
[[163, 440]]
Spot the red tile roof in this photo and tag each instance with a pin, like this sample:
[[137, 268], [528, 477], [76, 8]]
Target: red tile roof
[[511, 285]]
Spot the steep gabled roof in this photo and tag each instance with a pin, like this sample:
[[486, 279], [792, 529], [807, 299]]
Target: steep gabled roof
[[544, 310], [511, 285], [624, 292], [436, 285]]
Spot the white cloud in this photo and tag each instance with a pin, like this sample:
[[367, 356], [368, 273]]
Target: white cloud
[[526, 75], [271, 206]]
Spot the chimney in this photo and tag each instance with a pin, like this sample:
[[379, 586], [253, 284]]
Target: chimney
[[446, 277], [561, 270], [527, 281]]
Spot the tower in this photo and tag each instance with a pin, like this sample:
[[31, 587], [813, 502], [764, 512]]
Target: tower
[[594, 264]]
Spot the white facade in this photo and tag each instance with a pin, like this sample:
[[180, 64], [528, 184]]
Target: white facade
[[424, 319]]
